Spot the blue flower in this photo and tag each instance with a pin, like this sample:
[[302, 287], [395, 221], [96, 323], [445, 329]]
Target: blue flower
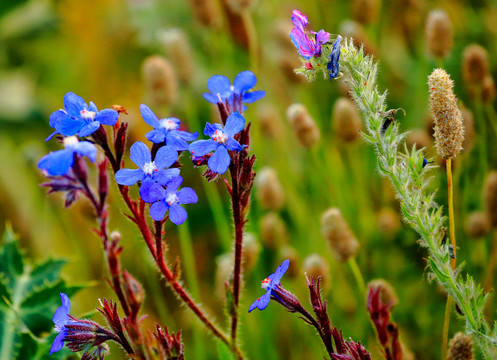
[[221, 141], [166, 130], [221, 89], [152, 174], [333, 65], [78, 118], [61, 319], [171, 200], [59, 162], [269, 284]]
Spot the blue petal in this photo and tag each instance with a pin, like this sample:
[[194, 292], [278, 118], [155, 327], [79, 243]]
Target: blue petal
[[210, 129], [213, 99], [150, 191], [158, 210], [165, 176], [220, 161], [333, 63], [51, 135], [165, 157], [155, 136], [202, 147], [254, 305], [93, 107], [244, 81], [56, 116], [107, 117], [280, 271], [149, 116], [140, 154], [175, 142], [129, 177], [58, 343], [264, 301], [174, 184], [177, 214], [234, 124], [69, 126], [74, 104], [234, 145], [185, 135], [218, 84], [252, 96], [61, 318], [86, 148], [57, 163], [187, 196], [89, 129]]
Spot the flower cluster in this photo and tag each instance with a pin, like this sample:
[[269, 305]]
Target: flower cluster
[[318, 53]]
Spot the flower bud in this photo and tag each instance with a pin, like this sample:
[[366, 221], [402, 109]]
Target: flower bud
[[346, 120], [336, 230], [488, 89], [418, 137], [474, 66], [206, 12], [388, 221], [365, 11], [303, 124], [438, 34], [269, 121], [251, 250], [387, 292], [477, 225], [270, 193], [469, 129], [449, 131], [179, 51], [460, 347], [272, 231], [160, 80], [317, 267], [135, 295], [490, 197]]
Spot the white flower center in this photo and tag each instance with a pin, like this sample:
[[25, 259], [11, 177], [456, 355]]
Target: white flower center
[[172, 199], [168, 124], [220, 137], [265, 283], [70, 141], [87, 115], [149, 168]]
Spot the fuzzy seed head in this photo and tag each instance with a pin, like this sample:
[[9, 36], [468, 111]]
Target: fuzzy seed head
[[449, 130], [206, 12], [269, 191], [316, 266], [488, 89], [346, 120], [490, 197], [460, 347], [239, 6], [439, 37], [273, 231], [336, 230], [388, 222], [179, 51], [365, 11], [160, 80], [288, 252], [251, 250], [303, 124], [477, 225], [474, 66]]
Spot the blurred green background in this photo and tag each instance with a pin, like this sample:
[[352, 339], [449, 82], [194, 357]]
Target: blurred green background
[[97, 48]]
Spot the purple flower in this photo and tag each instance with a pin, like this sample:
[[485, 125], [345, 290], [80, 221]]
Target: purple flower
[[333, 65], [152, 174], [220, 89], [269, 284], [307, 45], [221, 141], [78, 118], [59, 162], [171, 200], [166, 130]]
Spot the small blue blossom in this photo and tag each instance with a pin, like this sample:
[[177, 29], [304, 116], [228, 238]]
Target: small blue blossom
[[166, 130], [78, 118], [220, 89], [333, 65], [152, 174], [221, 141], [269, 284], [59, 162], [61, 319], [171, 200]]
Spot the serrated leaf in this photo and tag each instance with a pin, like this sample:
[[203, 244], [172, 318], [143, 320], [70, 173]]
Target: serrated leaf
[[5, 295], [11, 261], [46, 273]]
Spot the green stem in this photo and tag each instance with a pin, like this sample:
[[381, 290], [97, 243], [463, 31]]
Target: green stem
[[356, 271]]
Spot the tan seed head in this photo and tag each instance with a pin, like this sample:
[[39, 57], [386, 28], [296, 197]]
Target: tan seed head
[[490, 197], [438, 34], [346, 120], [474, 66], [336, 230], [303, 125], [477, 225], [269, 191], [460, 347], [179, 51], [160, 80]]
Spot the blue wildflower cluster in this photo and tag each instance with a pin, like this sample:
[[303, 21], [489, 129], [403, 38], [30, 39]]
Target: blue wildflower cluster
[[317, 52]]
